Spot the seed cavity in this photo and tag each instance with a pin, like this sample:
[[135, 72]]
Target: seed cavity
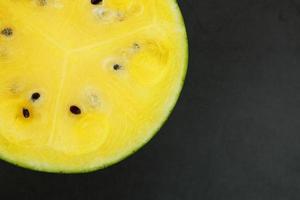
[[93, 100], [8, 32], [75, 110], [35, 96], [26, 113], [117, 67], [95, 2]]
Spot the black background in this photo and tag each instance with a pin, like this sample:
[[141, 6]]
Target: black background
[[234, 134]]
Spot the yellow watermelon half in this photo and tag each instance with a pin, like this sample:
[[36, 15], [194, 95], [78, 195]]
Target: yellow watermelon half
[[85, 83]]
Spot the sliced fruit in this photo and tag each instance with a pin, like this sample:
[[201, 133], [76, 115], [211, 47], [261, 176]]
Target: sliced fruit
[[83, 84]]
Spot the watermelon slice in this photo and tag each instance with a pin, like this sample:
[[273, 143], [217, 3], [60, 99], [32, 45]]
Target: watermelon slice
[[85, 83]]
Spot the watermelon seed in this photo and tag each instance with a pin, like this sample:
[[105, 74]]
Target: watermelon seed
[[75, 110], [117, 67], [26, 113], [7, 32], [35, 96], [136, 46], [42, 2], [95, 2]]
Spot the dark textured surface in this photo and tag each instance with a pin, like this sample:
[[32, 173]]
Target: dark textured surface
[[234, 134]]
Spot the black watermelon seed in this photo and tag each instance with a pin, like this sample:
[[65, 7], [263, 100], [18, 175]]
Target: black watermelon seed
[[75, 110], [117, 67], [7, 32], [95, 2], [35, 96], [26, 113]]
